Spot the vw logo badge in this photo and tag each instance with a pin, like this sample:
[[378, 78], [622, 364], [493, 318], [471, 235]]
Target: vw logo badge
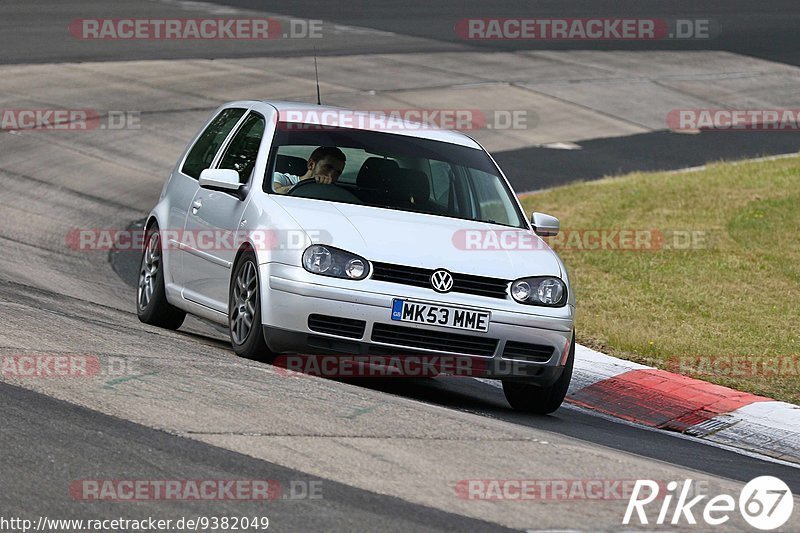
[[442, 281]]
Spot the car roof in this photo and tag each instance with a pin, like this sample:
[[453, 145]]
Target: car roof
[[345, 118]]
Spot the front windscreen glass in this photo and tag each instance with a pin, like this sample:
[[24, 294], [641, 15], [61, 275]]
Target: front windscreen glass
[[389, 171]]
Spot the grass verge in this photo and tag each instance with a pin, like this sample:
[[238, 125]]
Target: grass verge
[[717, 296]]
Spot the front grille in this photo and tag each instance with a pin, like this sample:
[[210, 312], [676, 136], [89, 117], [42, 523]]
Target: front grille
[[434, 340], [344, 327], [522, 351], [421, 277]]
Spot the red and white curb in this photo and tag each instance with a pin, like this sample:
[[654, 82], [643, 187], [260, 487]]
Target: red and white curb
[[665, 400]]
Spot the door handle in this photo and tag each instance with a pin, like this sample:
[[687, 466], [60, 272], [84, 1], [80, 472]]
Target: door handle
[[196, 205]]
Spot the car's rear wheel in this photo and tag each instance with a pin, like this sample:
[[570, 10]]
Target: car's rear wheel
[[152, 306], [244, 310], [531, 398]]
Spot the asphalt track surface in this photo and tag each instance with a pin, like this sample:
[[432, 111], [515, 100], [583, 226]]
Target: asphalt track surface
[[766, 30], [538, 168], [386, 451], [36, 32], [46, 441]]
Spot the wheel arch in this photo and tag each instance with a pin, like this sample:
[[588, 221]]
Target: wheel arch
[[244, 247], [151, 219]]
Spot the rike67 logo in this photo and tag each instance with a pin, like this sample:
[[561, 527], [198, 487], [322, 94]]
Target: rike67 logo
[[765, 503]]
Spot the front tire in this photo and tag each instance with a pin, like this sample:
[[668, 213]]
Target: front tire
[[244, 310], [152, 306], [530, 398]]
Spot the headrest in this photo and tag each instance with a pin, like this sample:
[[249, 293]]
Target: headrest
[[417, 183], [289, 164], [376, 173]]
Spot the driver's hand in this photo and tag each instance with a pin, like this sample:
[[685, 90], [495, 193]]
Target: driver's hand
[[321, 178]]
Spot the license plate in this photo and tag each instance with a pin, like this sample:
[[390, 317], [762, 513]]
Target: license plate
[[440, 315]]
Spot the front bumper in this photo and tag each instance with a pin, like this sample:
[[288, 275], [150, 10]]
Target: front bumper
[[290, 294]]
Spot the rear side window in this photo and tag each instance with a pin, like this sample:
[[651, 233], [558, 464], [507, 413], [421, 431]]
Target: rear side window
[[202, 153]]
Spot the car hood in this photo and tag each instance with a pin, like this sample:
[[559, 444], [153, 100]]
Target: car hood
[[427, 241]]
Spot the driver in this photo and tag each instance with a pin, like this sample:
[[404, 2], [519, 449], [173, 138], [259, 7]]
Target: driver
[[325, 165]]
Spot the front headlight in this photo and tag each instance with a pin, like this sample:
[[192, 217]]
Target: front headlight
[[546, 291], [329, 261]]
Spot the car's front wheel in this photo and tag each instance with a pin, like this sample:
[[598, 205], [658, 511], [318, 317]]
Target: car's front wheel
[[244, 310], [152, 306], [531, 398]]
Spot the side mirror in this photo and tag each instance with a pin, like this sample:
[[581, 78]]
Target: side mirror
[[220, 178], [545, 225]]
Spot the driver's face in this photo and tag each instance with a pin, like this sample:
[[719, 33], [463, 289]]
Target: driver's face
[[327, 170]]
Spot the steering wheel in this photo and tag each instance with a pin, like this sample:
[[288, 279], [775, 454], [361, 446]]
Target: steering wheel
[[301, 183], [322, 191]]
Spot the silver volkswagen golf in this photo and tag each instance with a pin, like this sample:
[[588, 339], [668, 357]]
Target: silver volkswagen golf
[[317, 230]]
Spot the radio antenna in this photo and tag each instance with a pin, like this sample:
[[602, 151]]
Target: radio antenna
[[316, 75]]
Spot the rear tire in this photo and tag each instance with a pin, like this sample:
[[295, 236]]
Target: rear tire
[[244, 310], [530, 398], [152, 306]]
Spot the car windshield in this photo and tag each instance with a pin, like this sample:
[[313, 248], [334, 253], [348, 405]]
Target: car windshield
[[394, 171]]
